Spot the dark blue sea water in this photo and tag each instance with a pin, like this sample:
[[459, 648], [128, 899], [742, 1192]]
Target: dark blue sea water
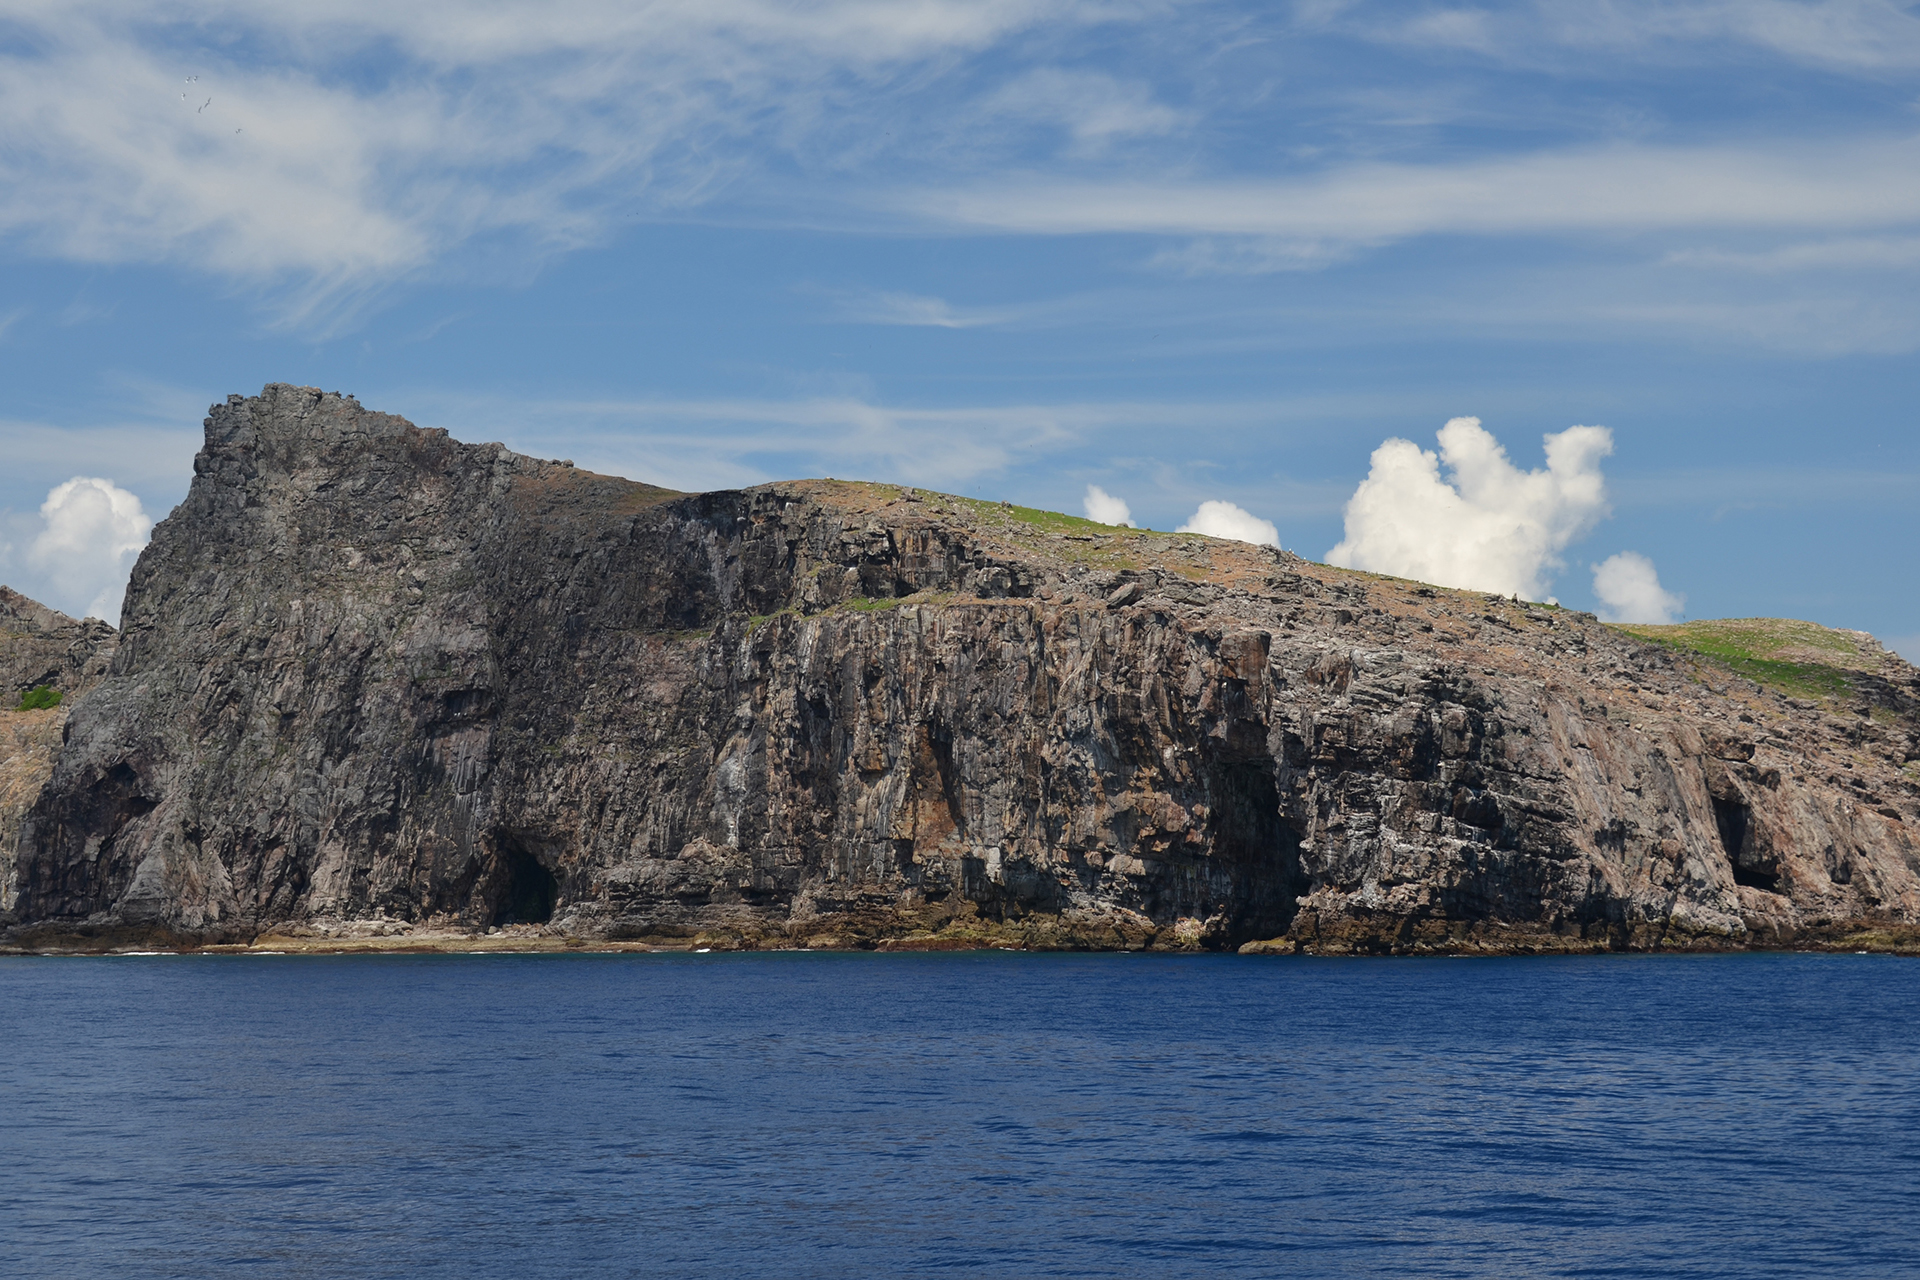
[[959, 1115]]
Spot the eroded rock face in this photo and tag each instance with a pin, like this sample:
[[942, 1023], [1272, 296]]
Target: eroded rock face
[[42, 646], [38, 646], [369, 672]]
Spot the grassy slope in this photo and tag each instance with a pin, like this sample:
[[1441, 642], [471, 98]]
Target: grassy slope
[[1803, 659]]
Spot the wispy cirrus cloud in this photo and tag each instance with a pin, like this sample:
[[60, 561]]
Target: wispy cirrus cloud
[[1094, 109], [914, 310], [1610, 190], [1848, 34], [331, 146], [1854, 252], [324, 152], [698, 444], [722, 442]]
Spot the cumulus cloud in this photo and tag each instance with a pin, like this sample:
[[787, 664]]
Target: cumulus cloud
[[1487, 524], [1225, 520], [1105, 508], [91, 531], [1629, 590]]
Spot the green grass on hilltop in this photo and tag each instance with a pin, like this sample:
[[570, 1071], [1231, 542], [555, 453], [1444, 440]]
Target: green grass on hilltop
[[1045, 521], [1804, 659]]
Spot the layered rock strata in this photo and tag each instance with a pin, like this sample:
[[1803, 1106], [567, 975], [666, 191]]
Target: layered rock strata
[[372, 677]]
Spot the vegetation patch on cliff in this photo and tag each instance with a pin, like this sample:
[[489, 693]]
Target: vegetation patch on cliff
[[40, 698], [1799, 658]]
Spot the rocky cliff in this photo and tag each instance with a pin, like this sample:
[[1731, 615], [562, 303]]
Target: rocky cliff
[[372, 680], [38, 647]]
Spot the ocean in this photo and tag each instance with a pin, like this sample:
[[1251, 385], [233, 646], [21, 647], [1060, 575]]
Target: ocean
[[975, 1114]]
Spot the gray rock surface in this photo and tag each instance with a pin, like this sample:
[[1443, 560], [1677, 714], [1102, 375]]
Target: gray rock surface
[[374, 677]]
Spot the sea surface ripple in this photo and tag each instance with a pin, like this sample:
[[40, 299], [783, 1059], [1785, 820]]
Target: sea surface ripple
[[980, 1114]]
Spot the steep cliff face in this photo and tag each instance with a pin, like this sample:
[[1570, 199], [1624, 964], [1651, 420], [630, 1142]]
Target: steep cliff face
[[371, 674]]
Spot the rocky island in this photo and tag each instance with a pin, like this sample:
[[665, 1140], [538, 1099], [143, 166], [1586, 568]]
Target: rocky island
[[378, 687]]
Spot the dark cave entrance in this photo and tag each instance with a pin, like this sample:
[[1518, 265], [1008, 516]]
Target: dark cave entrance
[[1733, 819], [530, 890], [1253, 836]]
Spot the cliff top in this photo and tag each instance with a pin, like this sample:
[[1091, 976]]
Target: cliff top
[[1798, 659], [1823, 666], [19, 614]]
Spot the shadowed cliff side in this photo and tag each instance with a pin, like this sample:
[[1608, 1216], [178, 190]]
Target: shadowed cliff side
[[373, 681]]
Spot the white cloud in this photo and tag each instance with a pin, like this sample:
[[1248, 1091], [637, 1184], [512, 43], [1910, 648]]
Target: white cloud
[[1847, 34], [700, 444], [1219, 519], [1869, 252], [91, 531], [1095, 110], [914, 310], [286, 159], [1105, 508], [1629, 590], [1609, 190], [1487, 525], [707, 444], [1253, 255], [331, 149]]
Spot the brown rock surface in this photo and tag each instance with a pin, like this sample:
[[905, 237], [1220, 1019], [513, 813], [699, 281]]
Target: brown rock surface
[[41, 646], [38, 646], [377, 683]]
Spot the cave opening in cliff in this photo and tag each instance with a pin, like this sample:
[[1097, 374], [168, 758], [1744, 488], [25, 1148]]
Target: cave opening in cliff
[[529, 889], [1252, 831], [1730, 816], [1733, 819]]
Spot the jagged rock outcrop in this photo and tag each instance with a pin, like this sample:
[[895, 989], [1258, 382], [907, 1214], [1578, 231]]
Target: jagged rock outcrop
[[38, 647], [42, 646], [368, 673]]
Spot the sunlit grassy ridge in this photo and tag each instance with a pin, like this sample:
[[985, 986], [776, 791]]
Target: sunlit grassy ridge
[[1800, 658], [1047, 521]]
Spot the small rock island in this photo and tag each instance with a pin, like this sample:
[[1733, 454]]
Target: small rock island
[[376, 687]]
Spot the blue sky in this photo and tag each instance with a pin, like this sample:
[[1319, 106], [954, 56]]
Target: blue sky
[[1185, 252]]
